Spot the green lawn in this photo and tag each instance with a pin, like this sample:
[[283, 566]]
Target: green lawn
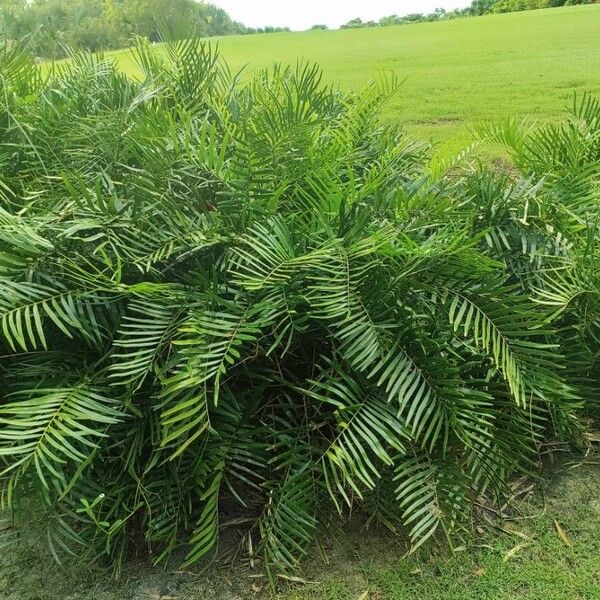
[[529, 560], [522, 64]]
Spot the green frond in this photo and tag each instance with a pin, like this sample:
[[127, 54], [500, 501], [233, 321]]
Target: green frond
[[479, 318], [146, 331], [163, 243], [208, 344], [50, 430], [184, 417], [366, 429], [431, 494], [506, 328], [20, 244], [206, 533], [335, 296], [27, 308], [420, 390], [268, 258], [288, 523]]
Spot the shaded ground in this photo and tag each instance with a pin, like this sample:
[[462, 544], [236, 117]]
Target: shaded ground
[[533, 559]]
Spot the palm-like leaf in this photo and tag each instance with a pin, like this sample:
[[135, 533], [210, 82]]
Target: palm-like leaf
[[146, 331], [367, 429], [206, 532], [288, 523], [53, 428], [431, 494]]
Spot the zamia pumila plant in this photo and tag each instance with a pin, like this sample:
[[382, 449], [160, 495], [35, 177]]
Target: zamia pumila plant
[[248, 301]]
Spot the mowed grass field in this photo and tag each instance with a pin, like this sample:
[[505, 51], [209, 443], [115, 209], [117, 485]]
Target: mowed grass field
[[455, 72]]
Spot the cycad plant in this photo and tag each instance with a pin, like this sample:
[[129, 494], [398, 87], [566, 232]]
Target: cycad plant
[[234, 301]]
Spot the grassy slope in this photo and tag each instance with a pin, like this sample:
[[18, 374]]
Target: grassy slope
[[519, 64], [530, 563]]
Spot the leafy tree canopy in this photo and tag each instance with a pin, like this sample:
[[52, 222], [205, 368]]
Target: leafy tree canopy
[[477, 8], [53, 26]]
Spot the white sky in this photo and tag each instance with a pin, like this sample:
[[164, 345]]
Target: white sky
[[301, 14]]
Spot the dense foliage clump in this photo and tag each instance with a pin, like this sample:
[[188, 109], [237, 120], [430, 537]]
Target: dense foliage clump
[[51, 28], [502, 6], [476, 9], [247, 303]]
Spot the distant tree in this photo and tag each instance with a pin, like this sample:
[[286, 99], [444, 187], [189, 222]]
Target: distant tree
[[353, 24], [390, 20], [503, 6], [477, 7], [481, 7], [319, 27], [273, 29], [414, 17], [53, 25]]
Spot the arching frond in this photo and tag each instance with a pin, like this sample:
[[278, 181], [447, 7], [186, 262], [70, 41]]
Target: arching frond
[[289, 522], [421, 388], [268, 257], [146, 332], [366, 431], [27, 308], [209, 343], [206, 532], [430, 493], [48, 430]]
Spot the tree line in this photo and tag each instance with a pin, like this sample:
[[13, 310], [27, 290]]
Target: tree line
[[53, 26], [477, 8]]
